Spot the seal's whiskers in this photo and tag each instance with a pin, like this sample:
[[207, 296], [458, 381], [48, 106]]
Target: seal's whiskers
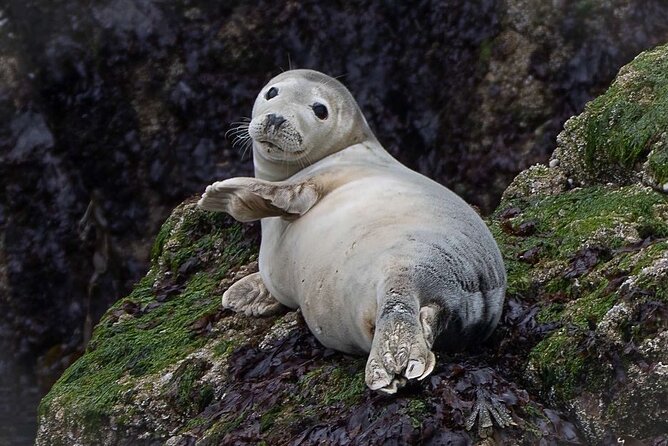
[[241, 138], [248, 142]]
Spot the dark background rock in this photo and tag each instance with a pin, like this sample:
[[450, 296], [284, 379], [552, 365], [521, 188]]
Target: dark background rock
[[120, 107]]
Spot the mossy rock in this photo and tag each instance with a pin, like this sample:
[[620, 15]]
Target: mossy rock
[[166, 365], [156, 338], [622, 136], [594, 263]]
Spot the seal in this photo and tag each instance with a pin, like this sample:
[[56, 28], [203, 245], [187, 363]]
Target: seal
[[380, 259]]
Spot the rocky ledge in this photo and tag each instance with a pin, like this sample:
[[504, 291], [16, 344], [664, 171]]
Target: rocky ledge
[[580, 356]]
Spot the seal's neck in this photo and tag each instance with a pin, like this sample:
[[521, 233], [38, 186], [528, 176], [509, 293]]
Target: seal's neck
[[273, 170]]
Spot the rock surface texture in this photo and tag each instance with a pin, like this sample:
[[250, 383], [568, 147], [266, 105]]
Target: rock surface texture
[[579, 357]]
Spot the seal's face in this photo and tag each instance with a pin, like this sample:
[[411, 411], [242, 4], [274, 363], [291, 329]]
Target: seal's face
[[302, 116]]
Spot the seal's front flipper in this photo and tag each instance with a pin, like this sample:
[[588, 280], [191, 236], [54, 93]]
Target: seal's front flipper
[[251, 297], [235, 197], [249, 199], [401, 346]]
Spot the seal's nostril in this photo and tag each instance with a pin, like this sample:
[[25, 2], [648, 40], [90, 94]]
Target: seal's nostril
[[275, 121]]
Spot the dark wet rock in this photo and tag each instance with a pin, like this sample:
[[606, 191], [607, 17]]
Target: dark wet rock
[[31, 133], [546, 61]]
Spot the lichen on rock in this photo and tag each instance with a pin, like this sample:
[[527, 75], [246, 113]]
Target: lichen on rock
[[537, 179]]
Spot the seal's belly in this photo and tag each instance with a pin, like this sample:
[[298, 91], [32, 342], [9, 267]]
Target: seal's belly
[[329, 262]]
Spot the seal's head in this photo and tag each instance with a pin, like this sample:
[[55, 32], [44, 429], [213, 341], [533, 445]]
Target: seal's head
[[300, 117]]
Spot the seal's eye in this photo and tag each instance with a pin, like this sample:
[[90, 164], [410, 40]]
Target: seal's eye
[[320, 110], [271, 93]]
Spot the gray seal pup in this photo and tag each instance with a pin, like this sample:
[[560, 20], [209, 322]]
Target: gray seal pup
[[380, 259]]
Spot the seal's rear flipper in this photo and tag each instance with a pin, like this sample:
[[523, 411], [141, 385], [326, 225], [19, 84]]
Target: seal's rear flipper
[[249, 199], [401, 346]]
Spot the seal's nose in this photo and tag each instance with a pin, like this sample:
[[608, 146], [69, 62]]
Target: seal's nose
[[275, 121]]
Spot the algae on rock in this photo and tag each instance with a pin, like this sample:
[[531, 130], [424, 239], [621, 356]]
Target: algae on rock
[[168, 366]]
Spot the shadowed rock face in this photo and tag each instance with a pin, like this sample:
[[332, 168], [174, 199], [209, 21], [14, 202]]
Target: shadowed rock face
[[579, 356], [120, 108]]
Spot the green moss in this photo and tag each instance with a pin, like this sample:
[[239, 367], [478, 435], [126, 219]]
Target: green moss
[[416, 409], [533, 414], [653, 285], [194, 423], [589, 309], [562, 363], [518, 273], [485, 51], [633, 262], [346, 386], [198, 235], [317, 392], [519, 279], [558, 284], [563, 222], [559, 364], [126, 348], [575, 216], [550, 313], [185, 393], [584, 8], [205, 395], [533, 411], [621, 125], [658, 162], [160, 239], [216, 433], [224, 348], [140, 344], [330, 385], [267, 419]]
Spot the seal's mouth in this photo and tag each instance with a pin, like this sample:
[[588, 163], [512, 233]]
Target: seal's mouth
[[270, 146]]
